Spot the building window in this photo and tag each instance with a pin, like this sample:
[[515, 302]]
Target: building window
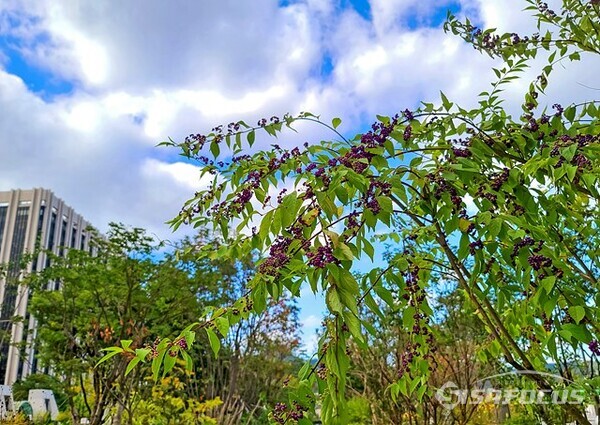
[[38, 236], [52, 230], [51, 235], [12, 279], [74, 237], [63, 236], [3, 214]]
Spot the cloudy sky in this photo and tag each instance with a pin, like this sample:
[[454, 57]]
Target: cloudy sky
[[88, 88]]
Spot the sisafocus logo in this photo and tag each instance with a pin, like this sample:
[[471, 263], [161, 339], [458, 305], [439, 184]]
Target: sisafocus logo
[[491, 390]]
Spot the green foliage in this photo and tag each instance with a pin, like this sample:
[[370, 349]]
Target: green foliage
[[166, 407], [18, 419], [521, 420], [119, 294], [504, 206], [359, 411]]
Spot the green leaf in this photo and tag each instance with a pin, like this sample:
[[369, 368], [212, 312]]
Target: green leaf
[[213, 339], [126, 343], [259, 297], [132, 364], [336, 122], [157, 363], [189, 362], [333, 301], [169, 362], [569, 113], [303, 372], [190, 337], [445, 102], [494, 227], [142, 353], [222, 324], [577, 331], [112, 351], [577, 313], [548, 283], [251, 136], [343, 252], [353, 323], [215, 149]]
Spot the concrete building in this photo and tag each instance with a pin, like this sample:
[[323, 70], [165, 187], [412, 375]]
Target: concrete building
[[26, 217]]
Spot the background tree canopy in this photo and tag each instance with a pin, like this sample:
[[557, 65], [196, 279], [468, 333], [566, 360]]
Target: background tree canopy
[[127, 292], [503, 205]]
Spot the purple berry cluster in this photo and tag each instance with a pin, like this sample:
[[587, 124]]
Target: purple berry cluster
[[547, 323], [441, 187], [182, 343], [537, 261], [154, 348], [251, 183], [475, 246], [407, 133], [408, 115], [530, 335], [358, 158], [461, 152], [579, 159], [498, 179], [376, 188], [263, 122], [352, 222], [490, 41], [526, 241], [482, 193], [594, 347], [283, 413], [559, 109], [278, 257], [321, 371], [322, 256], [415, 295], [543, 8]]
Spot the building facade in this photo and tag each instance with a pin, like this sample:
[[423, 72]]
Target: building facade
[[29, 218]]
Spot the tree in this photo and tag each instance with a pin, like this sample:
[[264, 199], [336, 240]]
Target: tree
[[257, 355], [459, 337], [126, 292], [524, 255], [117, 294]]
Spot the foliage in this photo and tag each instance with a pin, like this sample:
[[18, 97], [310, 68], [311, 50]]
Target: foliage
[[459, 338], [257, 355], [359, 411], [18, 419], [126, 292], [166, 407], [505, 206], [119, 293]]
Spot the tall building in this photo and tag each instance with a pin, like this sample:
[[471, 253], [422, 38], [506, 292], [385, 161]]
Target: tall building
[[26, 217]]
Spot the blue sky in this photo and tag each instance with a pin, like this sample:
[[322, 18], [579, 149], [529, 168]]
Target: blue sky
[[88, 89]]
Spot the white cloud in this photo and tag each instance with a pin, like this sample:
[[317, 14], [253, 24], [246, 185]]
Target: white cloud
[[181, 172], [146, 70]]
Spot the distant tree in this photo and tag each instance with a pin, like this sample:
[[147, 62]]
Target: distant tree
[[104, 298], [130, 294], [459, 340], [257, 355]]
